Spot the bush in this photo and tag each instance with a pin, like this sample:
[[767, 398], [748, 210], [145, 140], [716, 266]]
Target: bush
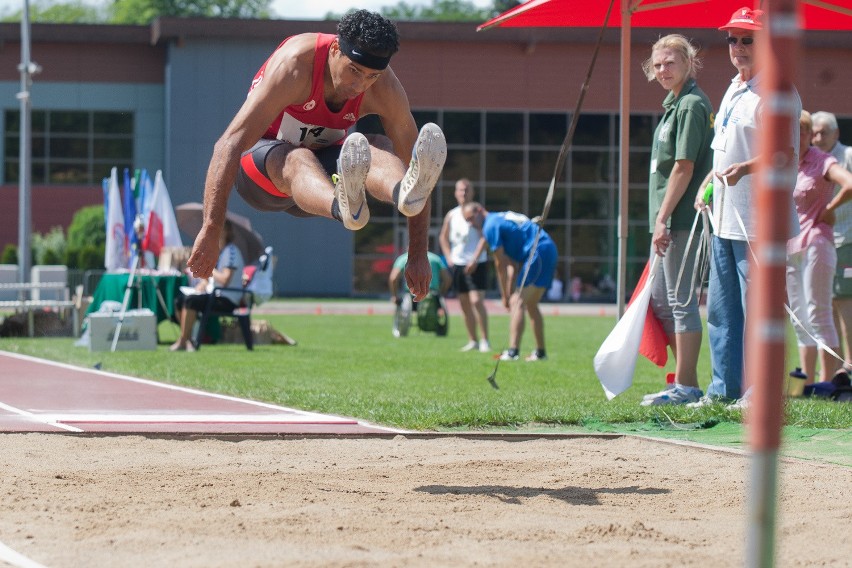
[[10, 255], [87, 228], [91, 256], [86, 238], [49, 248]]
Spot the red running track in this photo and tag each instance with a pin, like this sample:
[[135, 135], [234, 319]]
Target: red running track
[[43, 396]]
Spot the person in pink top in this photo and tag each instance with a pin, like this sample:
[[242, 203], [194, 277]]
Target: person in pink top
[[811, 256], [291, 146]]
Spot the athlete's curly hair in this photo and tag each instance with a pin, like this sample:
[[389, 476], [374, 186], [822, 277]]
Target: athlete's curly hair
[[369, 31]]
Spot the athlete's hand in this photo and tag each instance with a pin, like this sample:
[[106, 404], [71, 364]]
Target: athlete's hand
[[418, 275], [205, 252]]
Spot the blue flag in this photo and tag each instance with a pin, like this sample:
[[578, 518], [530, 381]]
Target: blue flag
[[131, 240]]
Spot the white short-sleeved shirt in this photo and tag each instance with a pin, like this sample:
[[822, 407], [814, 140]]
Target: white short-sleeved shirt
[[232, 258], [463, 239], [735, 141]]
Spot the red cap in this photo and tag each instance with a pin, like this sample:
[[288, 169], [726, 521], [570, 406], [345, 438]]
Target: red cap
[[745, 19]]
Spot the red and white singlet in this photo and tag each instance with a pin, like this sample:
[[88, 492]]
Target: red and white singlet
[[311, 124]]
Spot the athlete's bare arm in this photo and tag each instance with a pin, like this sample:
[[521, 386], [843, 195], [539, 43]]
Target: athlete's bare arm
[[387, 99], [286, 81]]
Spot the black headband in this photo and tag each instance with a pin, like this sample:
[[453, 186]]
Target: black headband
[[362, 57]]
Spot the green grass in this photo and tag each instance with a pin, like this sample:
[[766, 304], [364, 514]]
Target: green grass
[[352, 366]]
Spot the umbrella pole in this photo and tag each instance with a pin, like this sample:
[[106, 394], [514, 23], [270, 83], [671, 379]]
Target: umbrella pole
[[624, 158]]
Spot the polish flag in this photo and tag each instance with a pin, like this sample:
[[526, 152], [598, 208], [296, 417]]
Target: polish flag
[[655, 342], [161, 229]]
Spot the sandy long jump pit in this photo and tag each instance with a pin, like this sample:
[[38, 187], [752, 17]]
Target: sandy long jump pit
[[132, 501]]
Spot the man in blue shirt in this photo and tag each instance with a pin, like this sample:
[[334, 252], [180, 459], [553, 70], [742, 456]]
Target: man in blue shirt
[[511, 237]]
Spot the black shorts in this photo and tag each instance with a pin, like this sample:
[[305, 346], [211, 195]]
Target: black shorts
[[464, 283], [198, 302], [253, 182]]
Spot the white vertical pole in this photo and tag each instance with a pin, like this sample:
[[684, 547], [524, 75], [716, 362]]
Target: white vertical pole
[[25, 168]]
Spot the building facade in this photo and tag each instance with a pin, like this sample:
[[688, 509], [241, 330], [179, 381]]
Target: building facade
[[159, 96]]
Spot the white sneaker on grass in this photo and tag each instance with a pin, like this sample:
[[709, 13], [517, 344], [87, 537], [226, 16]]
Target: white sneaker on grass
[[484, 346], [353, 165], [677, 395], [535, 356], [469, 346], [427, 162], [509, 355], [741, 403], [659, 393], [704, 402]]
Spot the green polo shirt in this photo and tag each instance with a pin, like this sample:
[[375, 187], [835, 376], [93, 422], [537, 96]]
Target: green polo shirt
[[436, 263], [684, 133]]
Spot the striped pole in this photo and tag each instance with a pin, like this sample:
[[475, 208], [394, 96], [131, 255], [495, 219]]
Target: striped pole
[[766, 321]]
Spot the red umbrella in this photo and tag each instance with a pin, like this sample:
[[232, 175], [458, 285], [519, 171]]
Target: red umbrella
[[815, 15]]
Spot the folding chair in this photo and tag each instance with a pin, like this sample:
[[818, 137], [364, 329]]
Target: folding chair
[[252, 274]]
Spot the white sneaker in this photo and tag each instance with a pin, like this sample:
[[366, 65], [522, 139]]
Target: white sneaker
[[659, 393], [677, 395], [484, 346], [350, 179], [741, 403], [427, 162], [534, 356], [703, 402], [509, 356], [469, 346]]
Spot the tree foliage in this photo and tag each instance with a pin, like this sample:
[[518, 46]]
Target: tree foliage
[[46, 11], [144, 11], [137, 11], [442, 11]]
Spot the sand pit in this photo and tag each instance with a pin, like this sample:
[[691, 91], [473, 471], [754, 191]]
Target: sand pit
[[131, 501]]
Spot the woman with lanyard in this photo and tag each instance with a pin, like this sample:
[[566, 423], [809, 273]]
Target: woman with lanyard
[[680, 160]]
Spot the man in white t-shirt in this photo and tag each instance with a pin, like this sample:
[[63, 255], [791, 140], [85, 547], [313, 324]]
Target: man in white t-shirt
[[826, 137], [735, 159], [459, 240]]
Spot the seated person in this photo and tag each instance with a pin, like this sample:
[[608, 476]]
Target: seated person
[[228, 273], [400, 294]]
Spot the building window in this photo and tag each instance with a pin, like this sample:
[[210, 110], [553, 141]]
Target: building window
[[510, 157], [69, 147]]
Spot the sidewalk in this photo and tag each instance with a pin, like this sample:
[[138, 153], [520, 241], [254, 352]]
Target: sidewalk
[[322, 306]]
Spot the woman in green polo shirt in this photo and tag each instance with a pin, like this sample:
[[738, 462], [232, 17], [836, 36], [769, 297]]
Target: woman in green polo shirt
[[680, 160]]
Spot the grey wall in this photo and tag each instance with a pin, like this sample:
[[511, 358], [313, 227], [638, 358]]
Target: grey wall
[[206, 82], [145, 100]]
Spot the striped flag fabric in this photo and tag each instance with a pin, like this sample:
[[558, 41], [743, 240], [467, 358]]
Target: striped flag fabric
[[161, 228], [655, 342], [114, 255]]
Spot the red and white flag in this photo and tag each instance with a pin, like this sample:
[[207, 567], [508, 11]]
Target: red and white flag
[[115, 257], [161, 228], [655, 342]]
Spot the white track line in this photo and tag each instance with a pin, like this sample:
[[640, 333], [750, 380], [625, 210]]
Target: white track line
[[307, 415], [43, 419], [193, 418], [17, 559]]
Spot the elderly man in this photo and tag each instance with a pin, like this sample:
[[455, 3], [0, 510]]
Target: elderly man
[[735, 159], [826, 135]]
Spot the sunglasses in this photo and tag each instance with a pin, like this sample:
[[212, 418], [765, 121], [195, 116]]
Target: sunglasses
[[745, 40]]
